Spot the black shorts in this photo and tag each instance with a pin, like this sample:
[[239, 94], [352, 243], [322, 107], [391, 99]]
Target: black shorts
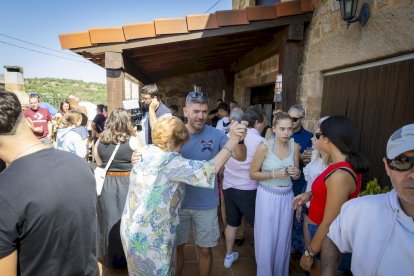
[[239, 203]]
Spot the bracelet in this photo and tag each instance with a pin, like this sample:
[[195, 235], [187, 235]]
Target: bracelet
[[311, 195], [229, 150], [311, 252]]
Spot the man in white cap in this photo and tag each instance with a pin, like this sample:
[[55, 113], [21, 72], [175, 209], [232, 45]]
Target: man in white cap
[[379, 229]]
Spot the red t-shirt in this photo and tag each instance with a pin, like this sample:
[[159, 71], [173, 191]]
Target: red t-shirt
[[39, 117], [319, 191]]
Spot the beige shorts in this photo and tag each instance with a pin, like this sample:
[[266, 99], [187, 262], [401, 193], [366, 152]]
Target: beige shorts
[[206, 229]]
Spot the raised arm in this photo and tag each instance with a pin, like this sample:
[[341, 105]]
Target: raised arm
[[240, 152]]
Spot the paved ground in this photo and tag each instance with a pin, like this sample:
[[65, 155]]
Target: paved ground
[[245, 266]]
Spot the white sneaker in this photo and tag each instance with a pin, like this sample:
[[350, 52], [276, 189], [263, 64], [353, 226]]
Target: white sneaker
[[230, 259]]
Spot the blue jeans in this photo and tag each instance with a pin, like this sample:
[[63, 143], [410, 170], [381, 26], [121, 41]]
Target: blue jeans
[[346, 257]]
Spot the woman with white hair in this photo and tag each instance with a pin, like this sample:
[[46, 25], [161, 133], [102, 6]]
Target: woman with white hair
[[150, 218]]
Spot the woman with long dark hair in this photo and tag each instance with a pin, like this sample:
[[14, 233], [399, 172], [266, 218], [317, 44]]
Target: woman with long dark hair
[[111, 202], [340, 182]]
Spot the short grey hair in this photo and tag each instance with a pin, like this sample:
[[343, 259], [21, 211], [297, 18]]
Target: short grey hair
[[236, 114], [299, 108]]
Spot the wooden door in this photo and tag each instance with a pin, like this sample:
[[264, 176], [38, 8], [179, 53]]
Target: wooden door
[[380, 100]]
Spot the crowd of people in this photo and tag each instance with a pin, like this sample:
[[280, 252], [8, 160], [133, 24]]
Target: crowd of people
[[297, 189]]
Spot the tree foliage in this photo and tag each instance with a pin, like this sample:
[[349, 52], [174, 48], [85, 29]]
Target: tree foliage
[[53, 90]]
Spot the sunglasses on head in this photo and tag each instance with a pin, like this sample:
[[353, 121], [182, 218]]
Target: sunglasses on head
[[296, 119], [400, 163], [31, 95], [195, 94], [318, 135]]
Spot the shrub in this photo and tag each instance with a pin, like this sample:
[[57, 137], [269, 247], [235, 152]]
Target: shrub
[[373, 188]]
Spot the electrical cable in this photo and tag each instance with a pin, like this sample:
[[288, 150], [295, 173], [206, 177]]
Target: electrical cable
[[215, 4], [43, 52], [50, 49]]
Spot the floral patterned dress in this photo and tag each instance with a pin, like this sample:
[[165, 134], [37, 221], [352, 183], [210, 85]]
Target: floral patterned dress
[[150, 220]]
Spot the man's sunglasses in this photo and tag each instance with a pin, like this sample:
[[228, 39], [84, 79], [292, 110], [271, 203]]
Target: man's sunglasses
[[294, 119], [195, 94], [318, 135], [401, 163]]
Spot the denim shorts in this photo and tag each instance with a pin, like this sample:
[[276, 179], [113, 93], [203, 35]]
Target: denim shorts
[[346, 257]]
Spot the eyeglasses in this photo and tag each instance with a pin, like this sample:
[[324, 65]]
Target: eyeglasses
[[296, 119], [195, 94], [401, 163], [145, 99], [318, 135]]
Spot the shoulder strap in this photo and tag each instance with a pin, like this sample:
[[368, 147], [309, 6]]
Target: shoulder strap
[[112, 158], [345, 169]]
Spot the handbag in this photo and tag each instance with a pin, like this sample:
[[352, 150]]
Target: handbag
[[100, 173]]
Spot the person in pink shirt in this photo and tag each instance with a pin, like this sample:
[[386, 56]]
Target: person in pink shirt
[[239, 188]]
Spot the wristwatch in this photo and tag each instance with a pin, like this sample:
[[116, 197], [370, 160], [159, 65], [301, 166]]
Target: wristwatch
[[309, 253]]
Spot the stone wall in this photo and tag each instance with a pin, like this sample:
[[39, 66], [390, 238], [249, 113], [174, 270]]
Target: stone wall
[[241, 4], [329, 44], [259, 74], [175, 89]]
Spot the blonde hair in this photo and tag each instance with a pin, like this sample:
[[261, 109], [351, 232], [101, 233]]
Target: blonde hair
[[73, 118], [169, 130], [279, 115]]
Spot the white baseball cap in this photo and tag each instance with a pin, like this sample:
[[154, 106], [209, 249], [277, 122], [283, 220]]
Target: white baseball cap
[[401, 141]]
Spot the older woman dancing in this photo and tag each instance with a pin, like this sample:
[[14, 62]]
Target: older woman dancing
[[150, 220]]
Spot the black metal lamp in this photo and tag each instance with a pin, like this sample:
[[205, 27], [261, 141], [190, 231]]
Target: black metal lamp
[[348, 12]]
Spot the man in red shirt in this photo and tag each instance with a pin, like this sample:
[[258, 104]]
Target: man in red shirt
[[39, 119]]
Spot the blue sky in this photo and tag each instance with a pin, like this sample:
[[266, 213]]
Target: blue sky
[[40, 22]]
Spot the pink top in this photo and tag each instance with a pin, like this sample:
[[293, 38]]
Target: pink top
[[236, 173]]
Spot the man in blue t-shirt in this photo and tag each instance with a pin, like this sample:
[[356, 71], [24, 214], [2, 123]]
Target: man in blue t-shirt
[[302, 137], [199, 206]]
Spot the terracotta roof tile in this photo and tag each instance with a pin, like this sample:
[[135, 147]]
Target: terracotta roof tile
[[202, 22], [288, 8], [140, 30], [170, 26], [306, 5], [107, 35], [261, 12], [184, 25], [75, 40], [232, 17]]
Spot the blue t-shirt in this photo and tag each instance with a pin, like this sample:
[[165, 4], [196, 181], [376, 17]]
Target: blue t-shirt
[[203, 146], [303, 138], [49, 108]]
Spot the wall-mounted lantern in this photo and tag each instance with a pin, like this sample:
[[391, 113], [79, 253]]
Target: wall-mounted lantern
[[278, 88], [348, 12]]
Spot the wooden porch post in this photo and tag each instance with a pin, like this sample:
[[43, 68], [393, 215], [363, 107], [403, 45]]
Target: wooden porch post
[[289, 60], [115, 79]]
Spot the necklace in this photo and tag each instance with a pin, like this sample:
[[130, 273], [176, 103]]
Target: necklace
[[26, 149]]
